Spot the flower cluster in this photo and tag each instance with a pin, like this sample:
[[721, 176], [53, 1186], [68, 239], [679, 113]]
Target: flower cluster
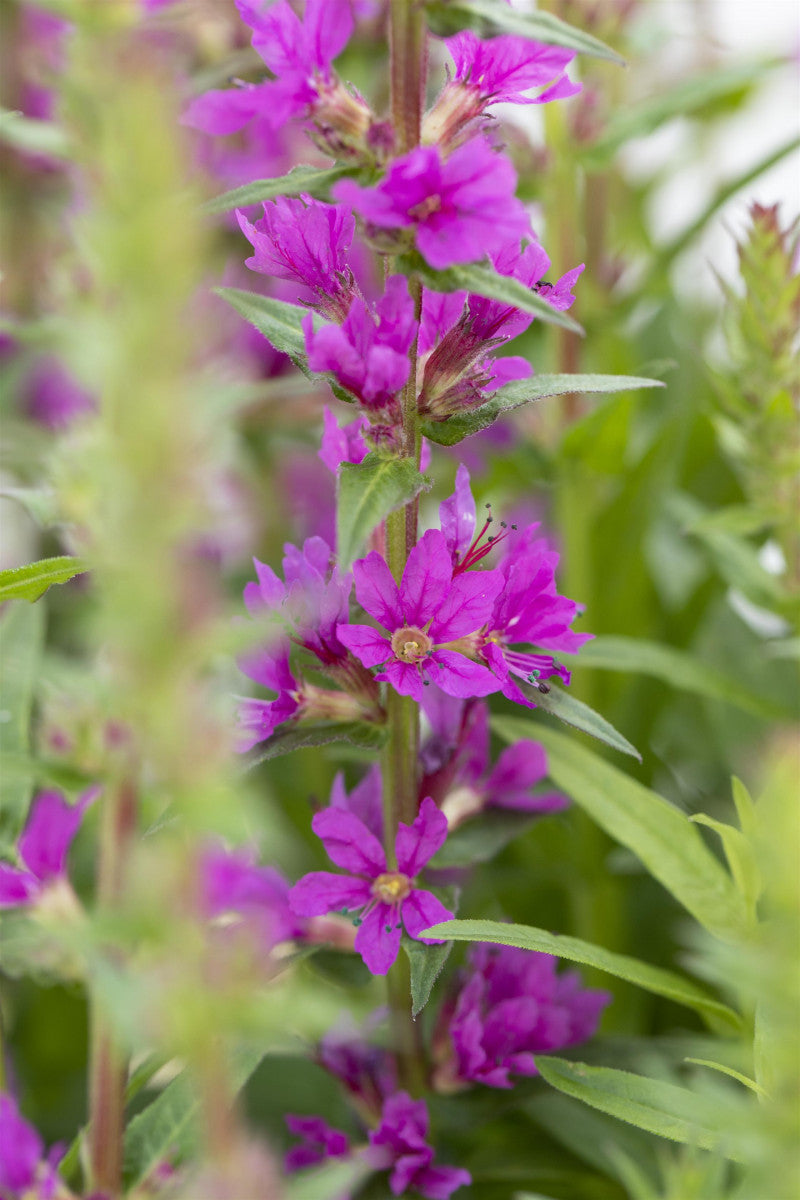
[[43, 848]]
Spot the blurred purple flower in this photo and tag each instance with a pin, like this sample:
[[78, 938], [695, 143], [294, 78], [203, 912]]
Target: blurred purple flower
[[232, 883], [425, 620], [366, 1070], [342, 443], [511, 1006], [319, 1143], [24, 1173], [386, 899], [462, 208], [43, 847], [400, 1144], [364, 801], [258, 719], [52, 397]]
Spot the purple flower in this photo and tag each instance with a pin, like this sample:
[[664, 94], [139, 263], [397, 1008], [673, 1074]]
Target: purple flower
[[319, 1142], [305, 242], [386, 899], [24, 1173], [400, 1144], [232, 883], [511, 1006], [462, 208], [368, 352], [502, 69], [458, 773], [53, 398], [366, 1070], [426, 621], [258, 719], [43, 847], [342, 444], [365, 801]]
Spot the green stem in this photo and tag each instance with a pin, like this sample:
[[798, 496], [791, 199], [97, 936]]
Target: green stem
[[408, 47], [108, 1068]]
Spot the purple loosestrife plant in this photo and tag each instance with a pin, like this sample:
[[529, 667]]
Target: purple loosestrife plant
[[43, 848], [400, 1145], [25, 1172]]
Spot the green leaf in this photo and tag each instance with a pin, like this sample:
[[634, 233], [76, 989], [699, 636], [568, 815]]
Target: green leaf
[[539, 26], [31, 135], [367, 492], [652, 979], [314, 181], [481, 838], [662, 1108], [745, 808], [558, 702], [687, 97], [39, 502], [483, 280], [280, 322], [298, 737], [592, 1136], [329, 1182], [730, 1072], [661, 836], [32, 581], [681, 670], [741, 859], [527, 391], [427, 964], [169, 1127], [22, 629]]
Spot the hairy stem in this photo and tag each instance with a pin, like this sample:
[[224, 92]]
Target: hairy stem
[[408, 47], [108, 1068]]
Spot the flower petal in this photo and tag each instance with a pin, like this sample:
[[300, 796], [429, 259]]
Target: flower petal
[[365, 642], [377, 592], [17, 887], [51, 826], [404, 678], [378, 939], [422, 910], [426, 579], [418, 842], [460, 676], [467, 606], [322, 892], [348, 842]]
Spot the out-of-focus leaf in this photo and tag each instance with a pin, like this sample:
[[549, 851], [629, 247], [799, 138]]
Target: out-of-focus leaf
[[299, 737], [280, 322], [741, 859], [367, 492], [539, 26], [729, 1071], [592, 1136], [676, 667], [483, 280], [328, 1182], [427, 964], [558, 702], [661, 836], [32, 581], [652, 979], [168, 1126], [21, 643], [527, 391], [32, 136], [662, 1108], [39, 503], [314, 181], [481, 838], [687, 97]]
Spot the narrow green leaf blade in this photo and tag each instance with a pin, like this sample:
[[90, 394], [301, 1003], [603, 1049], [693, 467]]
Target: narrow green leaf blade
[[652, 1104], [31, 135], [169, 1126], [528, 391], [651, 979], [367, 493], [314, 181], [427, 964], [675, 667], [661, 836], [741, 857], [280, 322], [558, 702], [483, 280], [539, 26], [32, 581], [300, 737], [21, 643]]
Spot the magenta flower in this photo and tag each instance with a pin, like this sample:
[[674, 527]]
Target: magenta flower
[[53, 398], [462, 208], [458, 771], [503, 69], [43, 847], [426, 621], [385, 899], [364, 801], [231, 882], [342, 443], [258, 719], [319, 1142], [305, 242], [24, 1172], [368, 352], [511, 1006], [400, 1144], [367, 1071]]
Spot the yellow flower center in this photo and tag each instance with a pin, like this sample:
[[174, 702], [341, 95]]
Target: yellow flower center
[[392, 887], [425, 209], [411, 644]]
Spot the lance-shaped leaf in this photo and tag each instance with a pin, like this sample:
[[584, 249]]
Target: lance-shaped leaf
[[659, 1107], [483, 280], [675, 667], [652, 979], [427, 964], [499, 17], [299, 737], [32, 581], [558, 702], [301, 180], [367, 492], [662, 837], [281, 323], [21, 642]]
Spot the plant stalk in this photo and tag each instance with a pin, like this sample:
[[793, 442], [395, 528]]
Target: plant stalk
[[108, 1067]]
